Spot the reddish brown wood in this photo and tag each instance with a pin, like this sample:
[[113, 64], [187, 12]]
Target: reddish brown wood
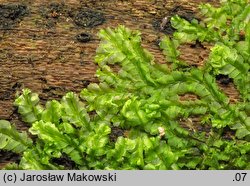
[[50, 61]]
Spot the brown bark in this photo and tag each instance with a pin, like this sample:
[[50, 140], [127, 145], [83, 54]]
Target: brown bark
[[41, 51]]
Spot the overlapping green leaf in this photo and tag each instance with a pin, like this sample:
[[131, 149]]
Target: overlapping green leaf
[[74, 111], [28, 106], [137, 109], [11, 139], [49, 133]]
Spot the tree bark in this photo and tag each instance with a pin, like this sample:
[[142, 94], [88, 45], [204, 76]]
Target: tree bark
[[40, 50]]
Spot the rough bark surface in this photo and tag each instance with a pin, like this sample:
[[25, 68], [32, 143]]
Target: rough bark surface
[[44, 47]]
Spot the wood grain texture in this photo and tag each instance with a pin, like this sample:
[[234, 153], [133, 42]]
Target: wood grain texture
[[41, 51]]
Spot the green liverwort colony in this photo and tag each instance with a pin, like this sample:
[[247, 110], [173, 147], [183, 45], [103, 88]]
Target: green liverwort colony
[[143, 100]]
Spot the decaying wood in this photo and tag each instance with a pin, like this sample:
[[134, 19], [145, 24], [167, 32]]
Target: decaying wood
[[41, 50]]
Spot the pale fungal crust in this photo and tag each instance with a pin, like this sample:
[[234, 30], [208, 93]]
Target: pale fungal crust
[[161, 131]]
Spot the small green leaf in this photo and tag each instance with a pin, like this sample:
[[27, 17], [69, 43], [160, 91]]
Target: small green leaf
[[11, 139], [28, 106]]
